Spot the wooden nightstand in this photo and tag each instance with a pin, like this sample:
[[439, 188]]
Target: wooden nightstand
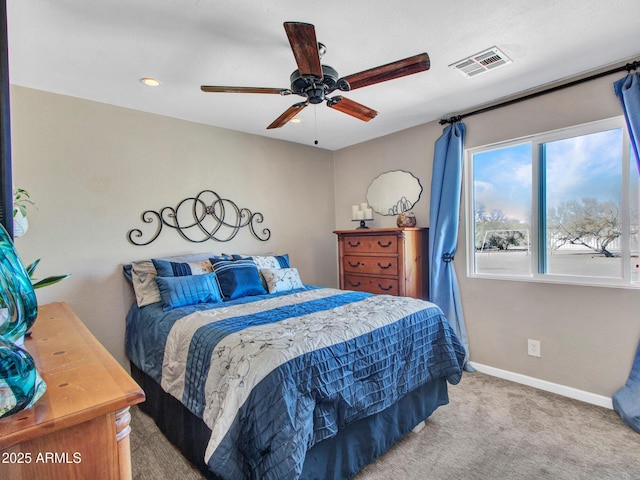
[[385, 260], [79, 429]]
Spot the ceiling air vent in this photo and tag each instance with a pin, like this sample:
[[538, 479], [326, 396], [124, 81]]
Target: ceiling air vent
[[481, 62]]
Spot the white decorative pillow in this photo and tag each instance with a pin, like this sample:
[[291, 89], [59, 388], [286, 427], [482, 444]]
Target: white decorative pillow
[[281, 279], [266, 261]]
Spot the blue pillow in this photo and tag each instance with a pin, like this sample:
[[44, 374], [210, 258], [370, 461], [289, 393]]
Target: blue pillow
[[126, 271], [166, 268], [237, 278], [188, 290], [283, 260]]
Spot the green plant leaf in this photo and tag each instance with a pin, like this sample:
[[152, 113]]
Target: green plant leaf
[[45, 282], [21, 199], [32, 267]]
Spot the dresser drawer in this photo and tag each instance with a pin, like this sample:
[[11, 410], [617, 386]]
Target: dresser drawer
[[371, 244], [373, 265], [384, 260], [371, 284]]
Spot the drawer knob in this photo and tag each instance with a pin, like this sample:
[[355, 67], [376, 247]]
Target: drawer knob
[[385, 246], [354, 284], [353, 244], [384, 267], [385, 289], [354, 265]]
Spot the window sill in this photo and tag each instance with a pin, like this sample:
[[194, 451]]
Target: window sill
[[560, 280]]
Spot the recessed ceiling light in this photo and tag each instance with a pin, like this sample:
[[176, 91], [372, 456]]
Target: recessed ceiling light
[[295, 120], [150, 82]]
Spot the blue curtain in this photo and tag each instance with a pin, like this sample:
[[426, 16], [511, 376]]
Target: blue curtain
[[444, 214], [625, 400], [628, 91]]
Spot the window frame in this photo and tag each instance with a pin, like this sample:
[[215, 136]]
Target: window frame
[[537, 142]]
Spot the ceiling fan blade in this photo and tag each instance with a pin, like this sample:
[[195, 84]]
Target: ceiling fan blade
[[400, 68], [289, 113], [280, 91], [302, 37], [352, 108]]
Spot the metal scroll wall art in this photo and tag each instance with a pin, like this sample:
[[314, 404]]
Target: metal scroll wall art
[[204, 217]]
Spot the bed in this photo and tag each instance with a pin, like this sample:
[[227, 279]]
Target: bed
[[256, 375]]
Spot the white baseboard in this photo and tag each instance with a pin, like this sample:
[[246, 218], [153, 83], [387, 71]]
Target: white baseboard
[[594, 399]]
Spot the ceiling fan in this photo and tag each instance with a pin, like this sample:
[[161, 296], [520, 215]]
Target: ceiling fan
[[315, 81]]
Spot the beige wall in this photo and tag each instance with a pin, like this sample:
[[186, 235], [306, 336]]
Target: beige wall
[[588, 334], [355, 167], [93, 169]]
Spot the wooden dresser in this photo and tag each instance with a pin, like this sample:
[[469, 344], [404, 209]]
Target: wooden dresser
[[385, 260], [79, 429]]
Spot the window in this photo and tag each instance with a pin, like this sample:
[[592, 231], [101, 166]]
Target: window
[[560, 206]]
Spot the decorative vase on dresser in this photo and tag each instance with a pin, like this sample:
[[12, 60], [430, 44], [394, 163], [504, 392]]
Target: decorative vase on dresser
[[385, 260]]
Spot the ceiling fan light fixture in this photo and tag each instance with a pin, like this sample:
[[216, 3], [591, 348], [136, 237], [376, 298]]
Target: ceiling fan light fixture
[[322, 49], [150, 81]]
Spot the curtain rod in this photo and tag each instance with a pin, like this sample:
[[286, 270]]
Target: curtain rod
[[628, 67]]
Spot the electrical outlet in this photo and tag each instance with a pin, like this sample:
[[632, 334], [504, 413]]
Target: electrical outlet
[[533, 347]]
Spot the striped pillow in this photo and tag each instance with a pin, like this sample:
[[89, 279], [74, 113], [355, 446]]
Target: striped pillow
[[237, 278], [166, 268]]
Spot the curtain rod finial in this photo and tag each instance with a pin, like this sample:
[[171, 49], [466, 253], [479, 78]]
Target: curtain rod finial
[[454, 119]]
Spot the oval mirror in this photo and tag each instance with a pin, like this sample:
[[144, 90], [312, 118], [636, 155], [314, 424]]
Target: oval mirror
[[394, 192]]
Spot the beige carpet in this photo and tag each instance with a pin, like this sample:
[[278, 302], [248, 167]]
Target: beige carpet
[[492, 429]]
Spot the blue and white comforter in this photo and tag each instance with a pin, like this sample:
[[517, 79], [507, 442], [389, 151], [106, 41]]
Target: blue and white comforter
[[273, 375]]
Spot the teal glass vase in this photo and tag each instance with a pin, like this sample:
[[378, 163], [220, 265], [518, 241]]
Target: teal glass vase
[[18, 303], [20, 383]]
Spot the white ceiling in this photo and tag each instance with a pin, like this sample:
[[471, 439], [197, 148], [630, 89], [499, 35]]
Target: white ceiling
[[99, 50]]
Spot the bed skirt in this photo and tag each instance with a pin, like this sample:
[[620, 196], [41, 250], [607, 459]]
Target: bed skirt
[[339, 457]]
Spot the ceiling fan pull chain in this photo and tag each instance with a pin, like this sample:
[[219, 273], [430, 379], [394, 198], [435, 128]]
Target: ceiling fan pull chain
[[315, 126]]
